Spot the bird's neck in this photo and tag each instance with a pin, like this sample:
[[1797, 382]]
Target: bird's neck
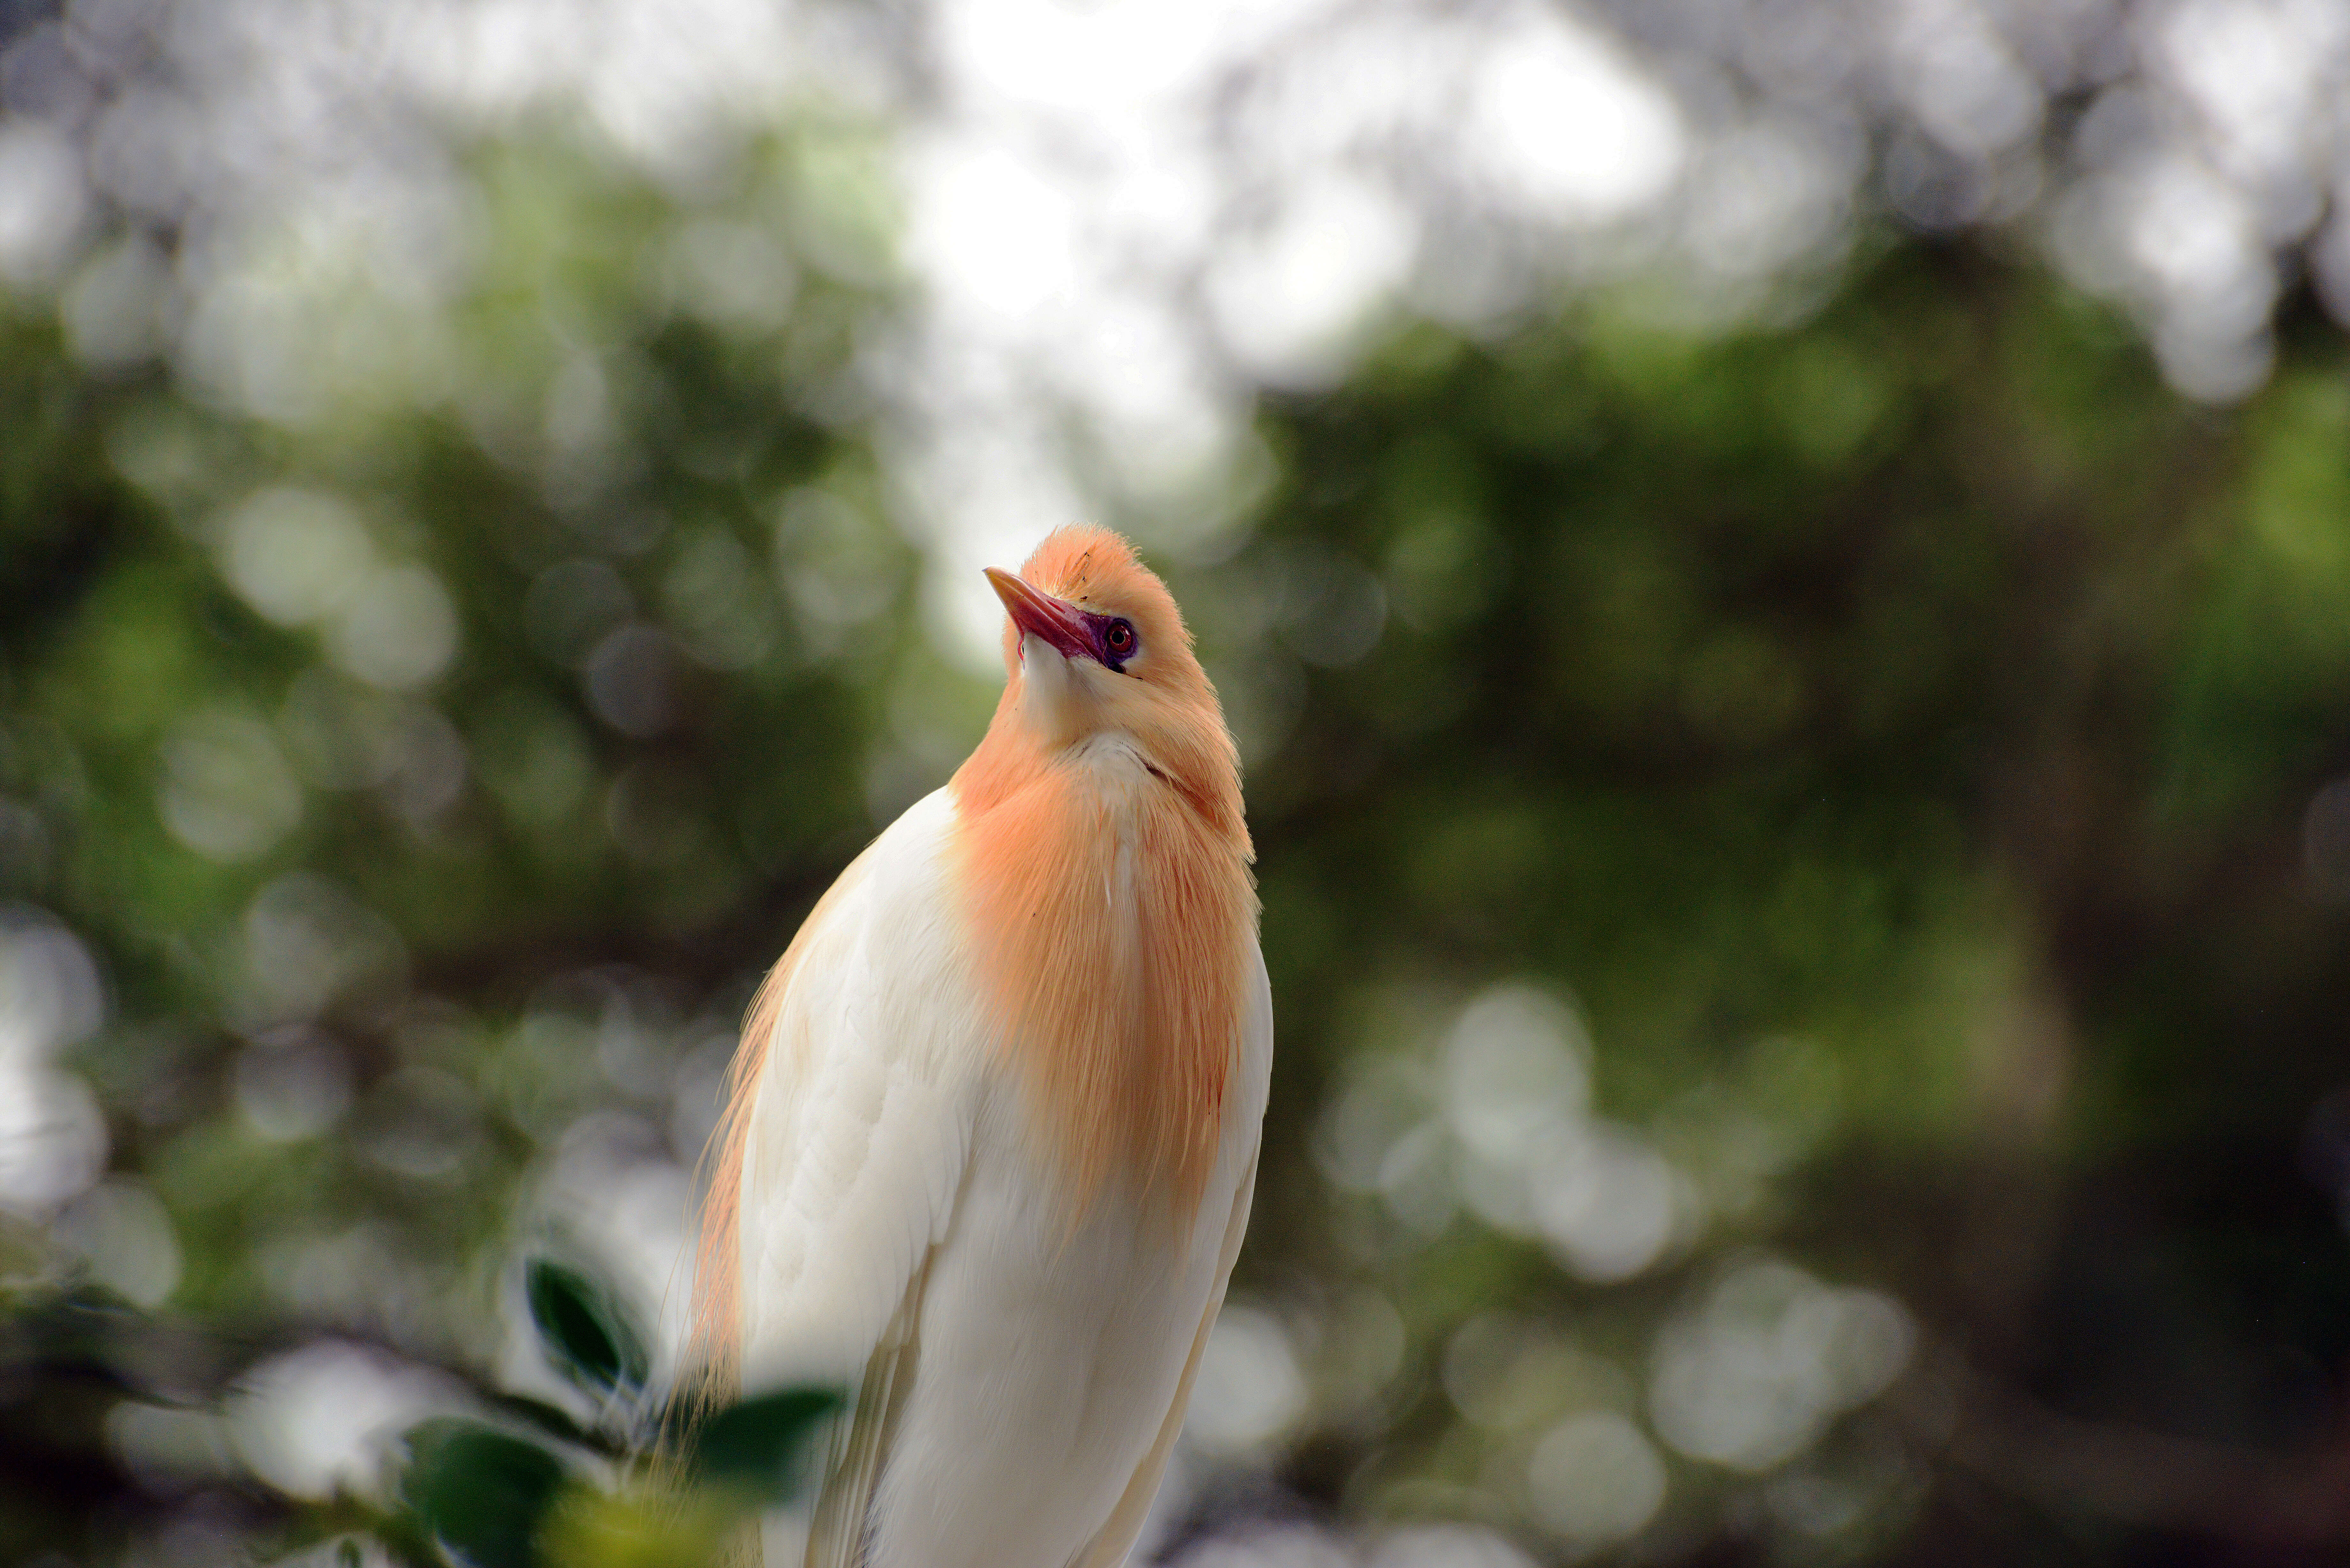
[[1193, 756], [1110, 909]]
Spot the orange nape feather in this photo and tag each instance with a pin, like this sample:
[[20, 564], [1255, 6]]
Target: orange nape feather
[[1123, 1014]]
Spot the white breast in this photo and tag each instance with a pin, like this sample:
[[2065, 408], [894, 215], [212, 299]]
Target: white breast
[[892, 1164]]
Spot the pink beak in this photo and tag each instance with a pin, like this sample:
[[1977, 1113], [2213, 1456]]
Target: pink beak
[[1056, 622]]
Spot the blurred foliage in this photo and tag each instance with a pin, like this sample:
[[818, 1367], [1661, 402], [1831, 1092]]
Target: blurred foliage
[[514, 1482], [1855, 784]]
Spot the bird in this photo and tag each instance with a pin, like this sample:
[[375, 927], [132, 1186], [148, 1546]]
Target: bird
[[990, 1133]]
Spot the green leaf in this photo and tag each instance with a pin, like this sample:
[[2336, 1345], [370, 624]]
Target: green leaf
[[481, 1491], [585, 1329], [757, 1445]]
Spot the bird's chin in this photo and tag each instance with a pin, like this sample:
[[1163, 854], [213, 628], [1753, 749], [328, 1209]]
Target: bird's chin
[[1041, 661], [1057, 697]]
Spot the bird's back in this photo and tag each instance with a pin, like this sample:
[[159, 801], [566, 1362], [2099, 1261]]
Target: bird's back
[[1019, 1349]]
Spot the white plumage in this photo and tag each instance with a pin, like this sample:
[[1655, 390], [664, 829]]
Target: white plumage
[[891, 1166]]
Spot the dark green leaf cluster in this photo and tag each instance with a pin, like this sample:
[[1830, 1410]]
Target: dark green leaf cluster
[[487, 1493]]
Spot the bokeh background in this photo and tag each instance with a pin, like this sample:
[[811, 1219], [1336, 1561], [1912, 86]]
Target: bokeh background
[[1781, 569]]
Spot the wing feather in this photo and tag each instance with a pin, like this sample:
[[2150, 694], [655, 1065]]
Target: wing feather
[[1109, 1548], [854, 1137], [839, 1535]]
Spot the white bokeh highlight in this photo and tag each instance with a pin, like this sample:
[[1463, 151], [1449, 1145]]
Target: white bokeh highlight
[[1752, 1372], [53, 1139], [1249, 1390], [330, 1416]]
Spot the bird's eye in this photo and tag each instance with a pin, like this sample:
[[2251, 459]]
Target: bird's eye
[[1119, 637]]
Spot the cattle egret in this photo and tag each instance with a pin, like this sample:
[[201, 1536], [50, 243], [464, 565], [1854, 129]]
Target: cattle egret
[[993, 1128]]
